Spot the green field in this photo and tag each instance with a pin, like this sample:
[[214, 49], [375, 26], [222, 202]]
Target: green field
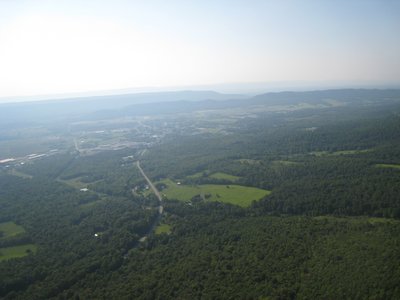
[[349, 152], [93, 203], [217, 175], [197, 175], [234, 194], [74, 182], [285, 163], [17, 251], [358, 220], [163, 228], [341, 152], [248, 161], [391, 166], [220, 175], [10, 229], [20, 174]]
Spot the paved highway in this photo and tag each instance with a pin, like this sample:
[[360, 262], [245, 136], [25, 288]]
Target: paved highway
[[150, 183]]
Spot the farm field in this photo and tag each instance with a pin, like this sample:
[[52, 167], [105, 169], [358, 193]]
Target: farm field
[[341, 152], [248, 161], [225, 176], [392, 166], [358, 220], [17, 251], [74, 182], [217, 175], [285, 163], [350, 152], [15, 172], [233, 194], [163, 228], [196, 175], [9, 229]]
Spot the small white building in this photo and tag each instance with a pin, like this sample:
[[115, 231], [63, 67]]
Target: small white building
[[84, 190]]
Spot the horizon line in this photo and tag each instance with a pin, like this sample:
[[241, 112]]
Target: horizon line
[[238, 88]]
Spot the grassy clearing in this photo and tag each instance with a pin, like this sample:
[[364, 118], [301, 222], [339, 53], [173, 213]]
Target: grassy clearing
[[382, 221], [319, 153], [225, 176], [217, 175], [147, 192], [89, 204], [338, 153], [357, 220], [10, 229], [285, 163], [391, 166], [349, 152], [17, 251], [75, 182], [14, 172], [163, 228], [197, 175], [234, 194], [248, 161], [93, 203]]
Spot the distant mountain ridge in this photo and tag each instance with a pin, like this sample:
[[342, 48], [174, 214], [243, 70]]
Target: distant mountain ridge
[[86, 105], [178, 102]]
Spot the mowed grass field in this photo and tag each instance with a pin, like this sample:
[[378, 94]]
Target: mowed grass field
[[163, 228], [20, 174], [17, 251], [234, 194], [74, 182], [285, 163], [225, 176], [217, 175], [391, 166], [338, 153], [10, 229]]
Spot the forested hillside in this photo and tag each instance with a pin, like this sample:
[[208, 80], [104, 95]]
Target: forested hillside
[[286, 196]]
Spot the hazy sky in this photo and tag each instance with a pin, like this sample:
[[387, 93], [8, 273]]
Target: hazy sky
[[72, 46]]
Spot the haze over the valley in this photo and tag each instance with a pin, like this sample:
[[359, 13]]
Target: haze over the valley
[[109, 47]]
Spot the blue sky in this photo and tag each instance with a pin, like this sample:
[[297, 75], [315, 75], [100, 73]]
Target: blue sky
[[75, 46]]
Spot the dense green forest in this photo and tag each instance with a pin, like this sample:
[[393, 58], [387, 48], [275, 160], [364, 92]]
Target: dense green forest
[[84, 222]]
